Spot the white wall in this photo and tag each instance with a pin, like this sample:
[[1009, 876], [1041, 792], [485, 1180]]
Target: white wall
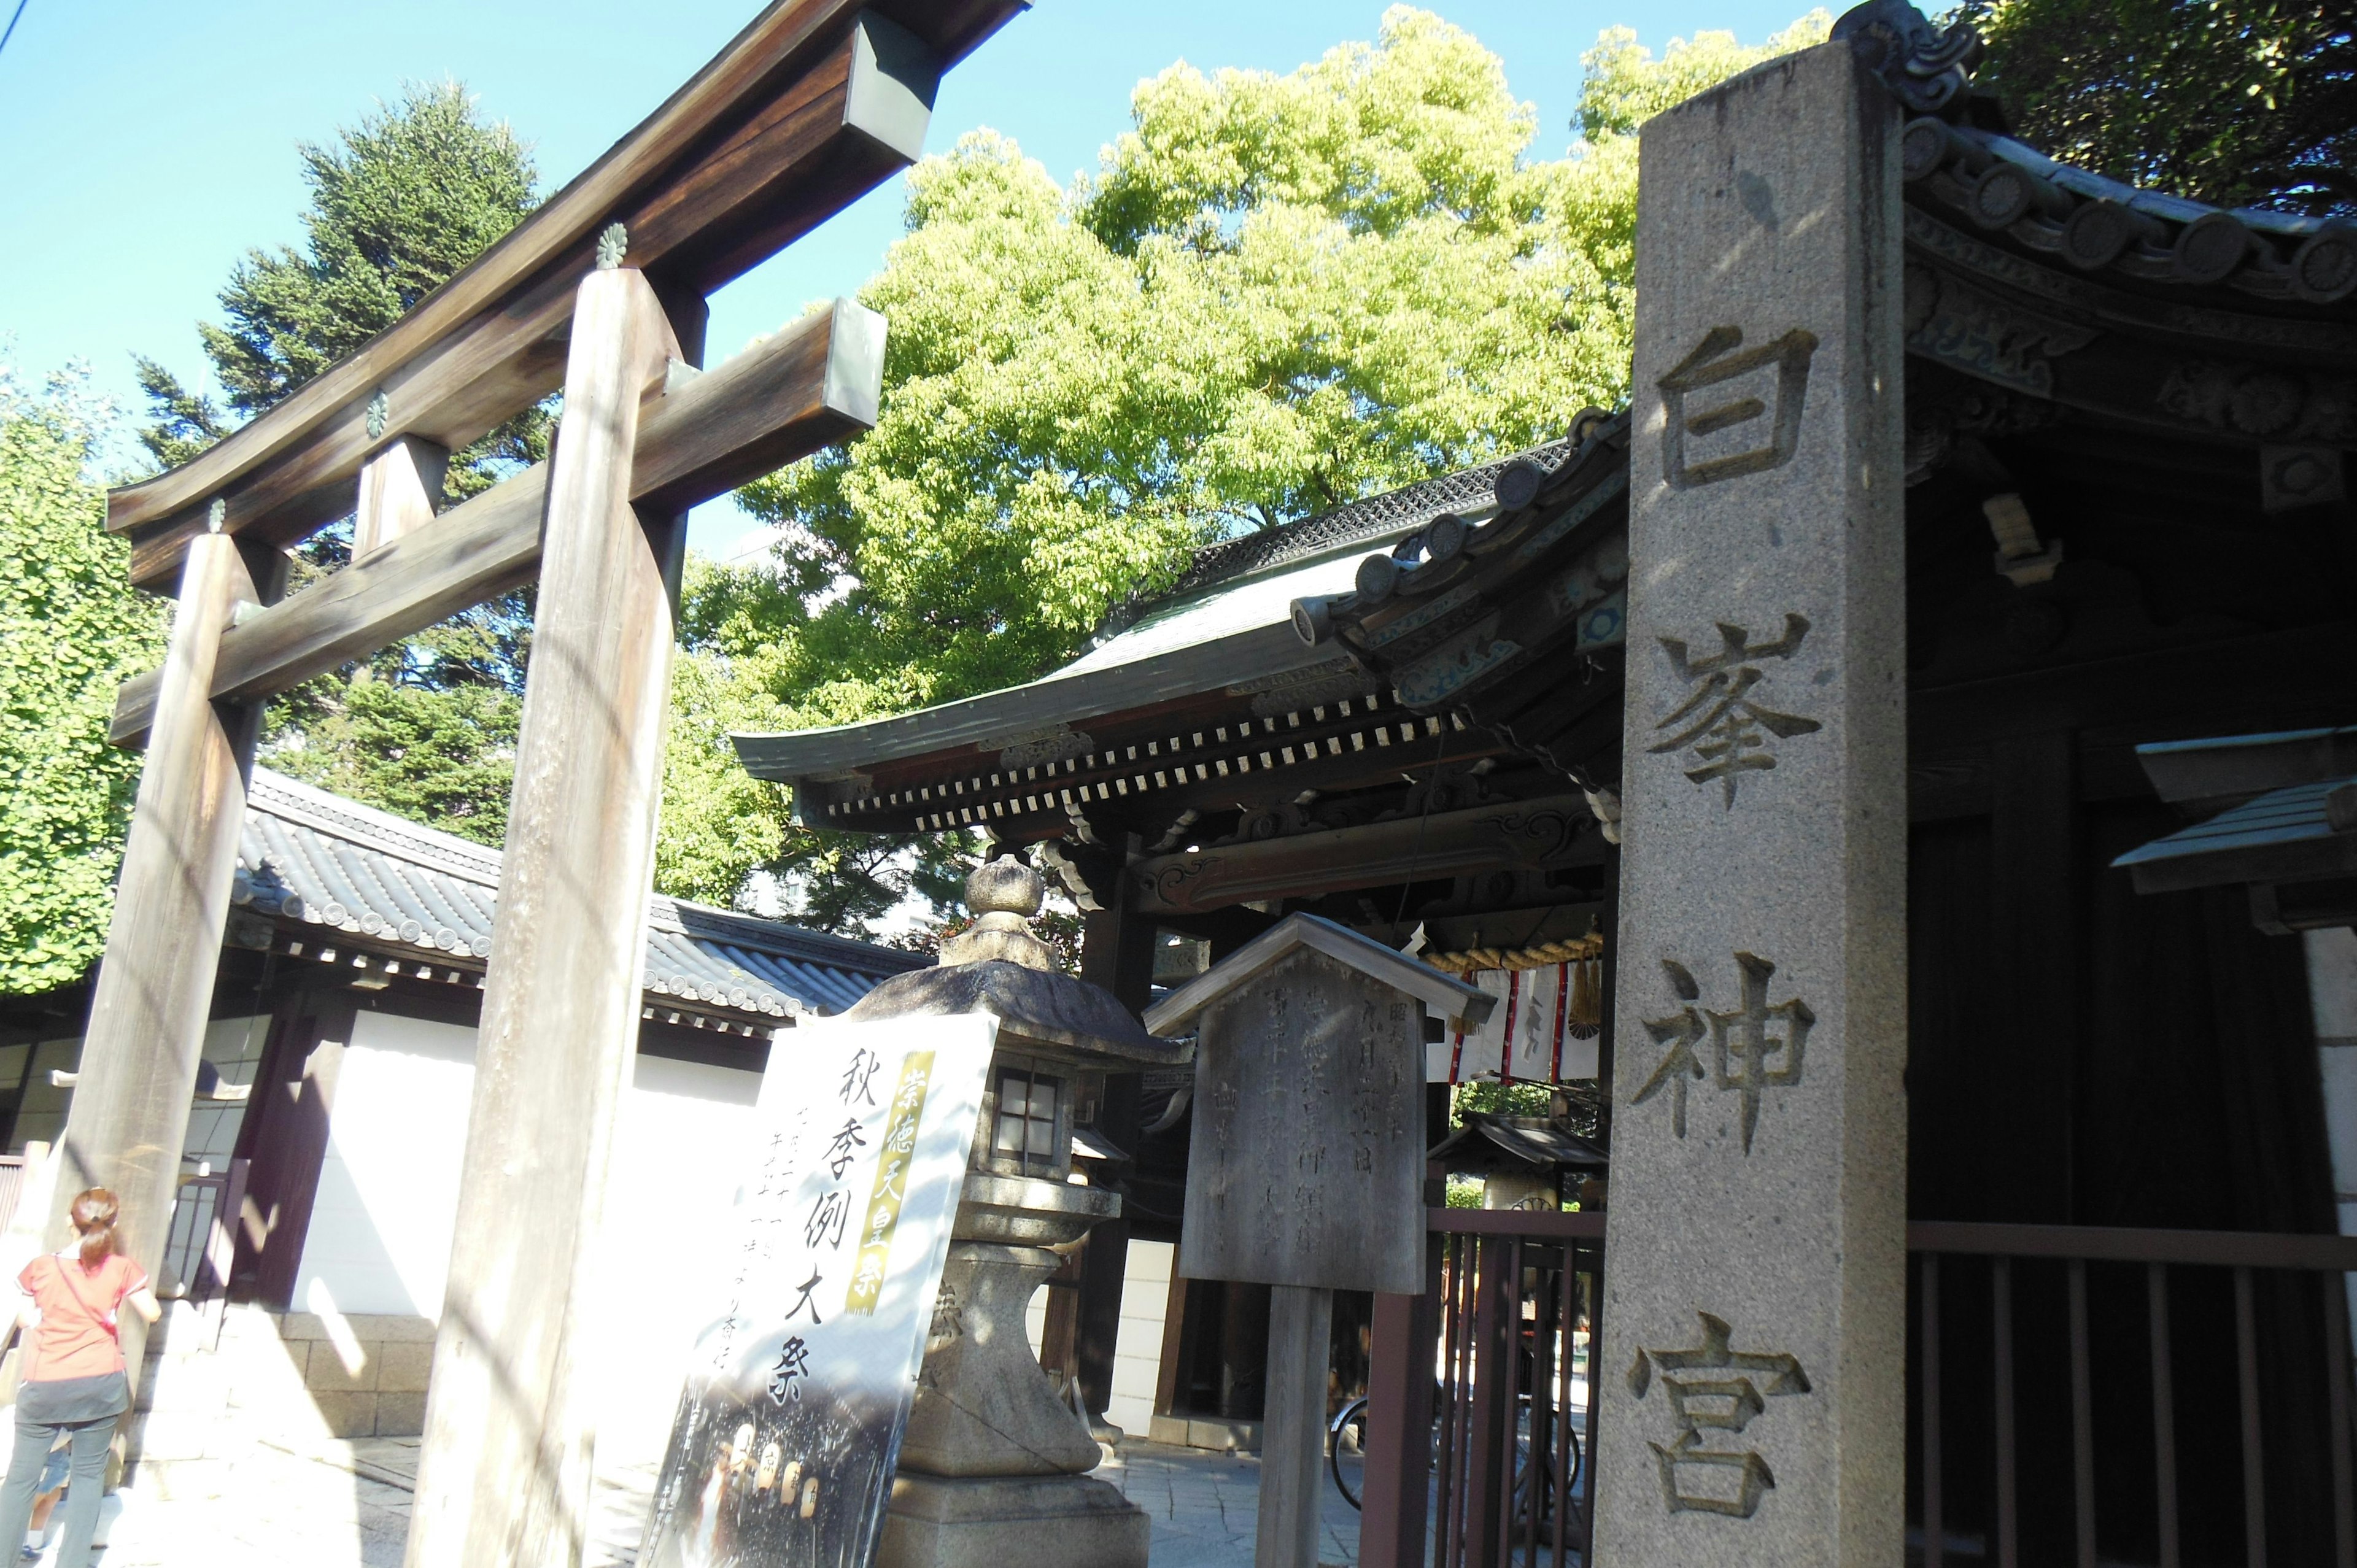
[[380, 1235], [1137, 1347], [682, 1147]]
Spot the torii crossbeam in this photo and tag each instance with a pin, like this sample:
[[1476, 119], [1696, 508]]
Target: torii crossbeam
[[811, 105]]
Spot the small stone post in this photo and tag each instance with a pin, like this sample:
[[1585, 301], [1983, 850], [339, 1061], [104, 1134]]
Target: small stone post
[[1752, 1366]]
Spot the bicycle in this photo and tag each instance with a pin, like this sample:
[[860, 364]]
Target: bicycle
[[1533, 1481]]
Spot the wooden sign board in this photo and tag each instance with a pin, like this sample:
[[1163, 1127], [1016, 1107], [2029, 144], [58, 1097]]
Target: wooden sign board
[[1307, 1166], [1308, 1158]]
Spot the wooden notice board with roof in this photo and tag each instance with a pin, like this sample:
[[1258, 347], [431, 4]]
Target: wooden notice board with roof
[[1307, 1166]]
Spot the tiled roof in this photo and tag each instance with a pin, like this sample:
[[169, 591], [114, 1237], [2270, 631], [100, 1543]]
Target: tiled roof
[[2284, 834], [1410, 506], [2097, 224], [1486, 1142], [310, 856]]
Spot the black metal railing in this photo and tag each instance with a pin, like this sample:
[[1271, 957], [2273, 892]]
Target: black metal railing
[[2116, 1396], [2283, 1374]]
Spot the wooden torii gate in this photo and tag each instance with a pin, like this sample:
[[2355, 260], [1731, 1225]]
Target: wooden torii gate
[[813, 105]]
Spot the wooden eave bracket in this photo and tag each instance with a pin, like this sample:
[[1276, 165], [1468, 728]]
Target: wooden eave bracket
[[808, 386]]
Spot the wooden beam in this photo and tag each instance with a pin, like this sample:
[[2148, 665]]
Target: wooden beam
[[504, 1474], [1118, 953], [1556, 831], [813, 383], [398, 489], [813, 104]]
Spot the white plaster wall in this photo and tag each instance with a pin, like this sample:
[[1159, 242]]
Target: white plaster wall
[[380, 1235], [1137, 1347], [681, 1147]]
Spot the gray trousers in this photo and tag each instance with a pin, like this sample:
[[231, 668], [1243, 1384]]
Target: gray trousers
[[86, 1485]]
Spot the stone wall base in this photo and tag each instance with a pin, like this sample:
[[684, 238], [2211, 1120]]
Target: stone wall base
[[1218, 1433], [1044, 1522], [216, 1382]]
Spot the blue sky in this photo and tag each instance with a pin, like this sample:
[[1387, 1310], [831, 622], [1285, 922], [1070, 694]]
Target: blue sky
[[145, 145]]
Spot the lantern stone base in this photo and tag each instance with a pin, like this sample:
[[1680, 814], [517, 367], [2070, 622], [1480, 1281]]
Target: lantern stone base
[[1042, 1521]]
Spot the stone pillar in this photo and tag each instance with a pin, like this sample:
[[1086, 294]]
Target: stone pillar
[[129, 1118], [504, 1477], [1752, 1370]]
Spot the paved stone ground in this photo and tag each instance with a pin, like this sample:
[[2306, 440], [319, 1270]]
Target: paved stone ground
[[1205, 1506], [346, 1506]]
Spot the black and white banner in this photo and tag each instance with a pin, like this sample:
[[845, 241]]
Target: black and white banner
[[790, 1425]]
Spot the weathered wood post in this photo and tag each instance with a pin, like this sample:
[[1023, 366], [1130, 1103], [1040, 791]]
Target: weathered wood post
[[504, 1478], [129, 1117], [1305, 1172], [1752, 1366]]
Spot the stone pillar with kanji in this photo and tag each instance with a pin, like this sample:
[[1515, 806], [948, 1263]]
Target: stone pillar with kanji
[[1752, 1347]]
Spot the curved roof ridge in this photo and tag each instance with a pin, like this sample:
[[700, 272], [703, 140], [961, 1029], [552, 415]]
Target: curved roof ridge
[[2096, 225], [1352, 523]]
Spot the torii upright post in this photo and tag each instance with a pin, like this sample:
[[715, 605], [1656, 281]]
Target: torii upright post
[[129, 1112], [504, 1478], [1752, 1369]]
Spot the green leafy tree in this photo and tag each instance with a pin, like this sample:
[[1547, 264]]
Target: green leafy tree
[[71, 628], [1277, 294], [398, 203], [442, 755], [2233, 102]]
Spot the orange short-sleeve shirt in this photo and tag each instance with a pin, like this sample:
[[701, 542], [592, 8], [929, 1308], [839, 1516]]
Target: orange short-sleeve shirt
[[76, 1337]]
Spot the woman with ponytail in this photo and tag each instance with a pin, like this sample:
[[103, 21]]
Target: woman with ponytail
[[72, 1382]]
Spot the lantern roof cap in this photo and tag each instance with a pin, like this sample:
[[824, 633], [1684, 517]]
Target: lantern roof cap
[[1040, 1013]]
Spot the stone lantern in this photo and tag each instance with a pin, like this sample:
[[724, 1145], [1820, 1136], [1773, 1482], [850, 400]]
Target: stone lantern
[[994, 1466]]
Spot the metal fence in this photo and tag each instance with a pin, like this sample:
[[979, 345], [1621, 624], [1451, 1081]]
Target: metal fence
[[2131, 1396], [202, 1240], [1478, 1424], [2077, 1395]]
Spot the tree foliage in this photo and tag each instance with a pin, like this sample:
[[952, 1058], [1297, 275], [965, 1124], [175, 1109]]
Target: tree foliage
[[443, 756], [71, 628], [2233, 102], [398, 203], [1278, 293]]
